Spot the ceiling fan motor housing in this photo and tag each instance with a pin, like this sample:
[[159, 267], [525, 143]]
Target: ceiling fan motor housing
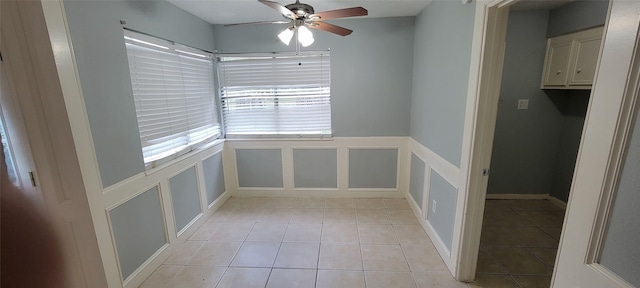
[[300, 9]]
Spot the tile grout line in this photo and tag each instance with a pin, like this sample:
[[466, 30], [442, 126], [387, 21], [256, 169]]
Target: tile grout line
[[255, 222], [526, 247]]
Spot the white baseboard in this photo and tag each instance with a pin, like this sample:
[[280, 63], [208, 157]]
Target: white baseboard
[[551, 199], [557, 202], [146, 269], [443, 251], [414, 206], [517, 196], [319, 193]]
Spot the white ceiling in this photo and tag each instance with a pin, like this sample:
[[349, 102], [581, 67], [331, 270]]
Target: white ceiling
[[539, 4], [239, 11]]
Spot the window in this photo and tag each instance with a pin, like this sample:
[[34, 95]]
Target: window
[[276, 95], [173, 90]]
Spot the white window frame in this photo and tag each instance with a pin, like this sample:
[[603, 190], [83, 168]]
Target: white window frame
[[196, 101], [320, 87]]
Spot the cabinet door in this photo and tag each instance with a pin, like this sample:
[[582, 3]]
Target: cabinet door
[[584, 67], [557, 64]]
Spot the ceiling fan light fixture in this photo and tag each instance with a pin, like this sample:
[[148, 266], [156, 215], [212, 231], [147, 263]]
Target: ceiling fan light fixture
[[305, 37], [286, 35]]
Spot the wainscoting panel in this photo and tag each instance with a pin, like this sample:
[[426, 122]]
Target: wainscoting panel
[[442, 207], [315, 168], [416, 180], [152, 213], [379, 166], [373, 168], [259, 168], [138, 230], [213, 172], [440, 182], [185, 197]]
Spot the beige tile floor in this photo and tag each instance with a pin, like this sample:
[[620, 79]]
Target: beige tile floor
[[306, 242], [518, 244]]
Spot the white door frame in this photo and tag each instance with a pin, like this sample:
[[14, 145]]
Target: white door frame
[[30, 62], [488, 46], [606, 129]]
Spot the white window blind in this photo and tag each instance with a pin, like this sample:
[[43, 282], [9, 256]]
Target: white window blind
[[173, 90], [276, 95]]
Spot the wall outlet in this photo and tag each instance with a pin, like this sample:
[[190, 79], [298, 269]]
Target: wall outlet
[[433, 206], [523, 104]]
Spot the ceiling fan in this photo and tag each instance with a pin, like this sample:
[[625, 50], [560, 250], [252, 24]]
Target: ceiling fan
[[302, 15]]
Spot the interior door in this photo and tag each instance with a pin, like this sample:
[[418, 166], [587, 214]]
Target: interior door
[[15, 143], [601, 155]]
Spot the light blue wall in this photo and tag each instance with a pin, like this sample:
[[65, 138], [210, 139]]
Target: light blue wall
[[441, 59], [570, 18], [373, 168], [621, 253], [416, 180], [259, 167], [577, 16], [525, 142], [445, 196], [315, 168], [185, 197], [370, 70], [574, 112], [213, 177], [138, 230], [551, 128], [101, 57]]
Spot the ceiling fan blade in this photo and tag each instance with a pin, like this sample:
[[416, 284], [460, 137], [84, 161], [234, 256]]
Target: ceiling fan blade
[[330, 28], [260, 22], [340, 13], [283, 10]]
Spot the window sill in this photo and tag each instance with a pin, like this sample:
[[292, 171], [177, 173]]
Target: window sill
[[264, 138], [172, 161]]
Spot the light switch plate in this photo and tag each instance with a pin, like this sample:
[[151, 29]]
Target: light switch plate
[[523, 104]]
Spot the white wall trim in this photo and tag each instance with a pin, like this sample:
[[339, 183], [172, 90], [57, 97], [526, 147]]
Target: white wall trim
[[191, 223], [120, 193], [553, 200], [487, 56], [139, 270], [145, 270], [445, 168], [426, 183], [303, 193], [451, 174], [342, 145], [338, 168], [415, 207], [122, 189], [517, 197], [557, 202], [439, 244], [106, 273], [435, 238], [398, 163]]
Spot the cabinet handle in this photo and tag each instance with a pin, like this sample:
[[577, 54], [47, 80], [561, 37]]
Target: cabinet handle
[[559, 71], [579, 70]]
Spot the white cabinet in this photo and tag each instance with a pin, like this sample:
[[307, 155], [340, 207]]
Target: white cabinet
[[558, 54], [571, 60]]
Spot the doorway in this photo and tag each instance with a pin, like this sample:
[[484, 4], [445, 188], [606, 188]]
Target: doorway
[[535, 145], [15, 144]]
